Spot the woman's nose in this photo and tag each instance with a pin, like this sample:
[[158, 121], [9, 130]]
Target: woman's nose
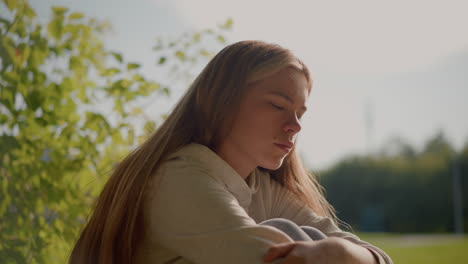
[[293, 124]]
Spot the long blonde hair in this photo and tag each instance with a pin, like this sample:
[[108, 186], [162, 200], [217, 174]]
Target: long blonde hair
[[203, 115]]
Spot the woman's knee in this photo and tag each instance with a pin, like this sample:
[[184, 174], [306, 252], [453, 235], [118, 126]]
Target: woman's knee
[[313, 232], [288, 227], [279, 222]]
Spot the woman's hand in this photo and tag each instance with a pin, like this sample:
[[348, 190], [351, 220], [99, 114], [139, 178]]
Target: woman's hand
[[329, 250]]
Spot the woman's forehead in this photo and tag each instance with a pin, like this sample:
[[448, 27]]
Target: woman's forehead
[[287, 81]]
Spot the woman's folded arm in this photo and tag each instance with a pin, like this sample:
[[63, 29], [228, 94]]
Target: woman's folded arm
[[287, 206], [193, 214]]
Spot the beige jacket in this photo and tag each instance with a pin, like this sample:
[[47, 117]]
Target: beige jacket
[[202, 211]]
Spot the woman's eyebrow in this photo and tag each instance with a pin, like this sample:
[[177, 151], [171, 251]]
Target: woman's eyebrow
[[285, 96]]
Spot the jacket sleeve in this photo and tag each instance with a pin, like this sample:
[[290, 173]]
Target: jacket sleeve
[[286, 205], [193, 214]]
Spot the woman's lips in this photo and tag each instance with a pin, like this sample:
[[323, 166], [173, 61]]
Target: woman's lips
[[283, 147]]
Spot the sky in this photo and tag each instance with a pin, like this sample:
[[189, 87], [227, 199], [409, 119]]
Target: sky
[[381, 68]]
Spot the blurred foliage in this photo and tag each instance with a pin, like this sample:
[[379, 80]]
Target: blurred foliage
[[68, 109], [399, 189], [182, 56]]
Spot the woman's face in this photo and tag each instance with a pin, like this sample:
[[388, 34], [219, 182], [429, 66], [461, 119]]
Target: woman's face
[[268, 121]]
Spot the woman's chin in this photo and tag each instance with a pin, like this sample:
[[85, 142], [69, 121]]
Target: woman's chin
[[273, 164]]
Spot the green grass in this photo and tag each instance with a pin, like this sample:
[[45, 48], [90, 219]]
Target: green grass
[[421, 248]]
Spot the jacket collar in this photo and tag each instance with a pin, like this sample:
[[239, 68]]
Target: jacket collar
[[220, 169]]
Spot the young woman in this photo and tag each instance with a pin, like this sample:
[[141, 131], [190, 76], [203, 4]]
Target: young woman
[[220, 181]]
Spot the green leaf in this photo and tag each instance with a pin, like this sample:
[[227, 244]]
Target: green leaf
[[205, 53], [75, 63], [221, 39], [4, 21], [15, 255], [180, 54], [118, 106], [196, 37], [75, 15], [162, 60], [150, 126], [153, 86], [131, 66], [55, 28], [228, 23], [59, 10], [29, 12], [111, 72], [34, 100], [138, 78], [117, 56], [11, 4], [11, 76], [117, 137]]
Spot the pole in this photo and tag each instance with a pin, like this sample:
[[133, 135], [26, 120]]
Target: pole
[[457, 197]]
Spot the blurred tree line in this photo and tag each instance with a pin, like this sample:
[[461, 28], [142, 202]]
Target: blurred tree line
[[400, 189], [70, 108]]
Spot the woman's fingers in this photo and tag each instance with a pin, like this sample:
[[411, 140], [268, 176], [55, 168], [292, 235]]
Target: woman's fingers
[[278, 251]]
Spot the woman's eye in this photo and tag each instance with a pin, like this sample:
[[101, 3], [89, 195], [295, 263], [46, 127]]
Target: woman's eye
[[277, 107]]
